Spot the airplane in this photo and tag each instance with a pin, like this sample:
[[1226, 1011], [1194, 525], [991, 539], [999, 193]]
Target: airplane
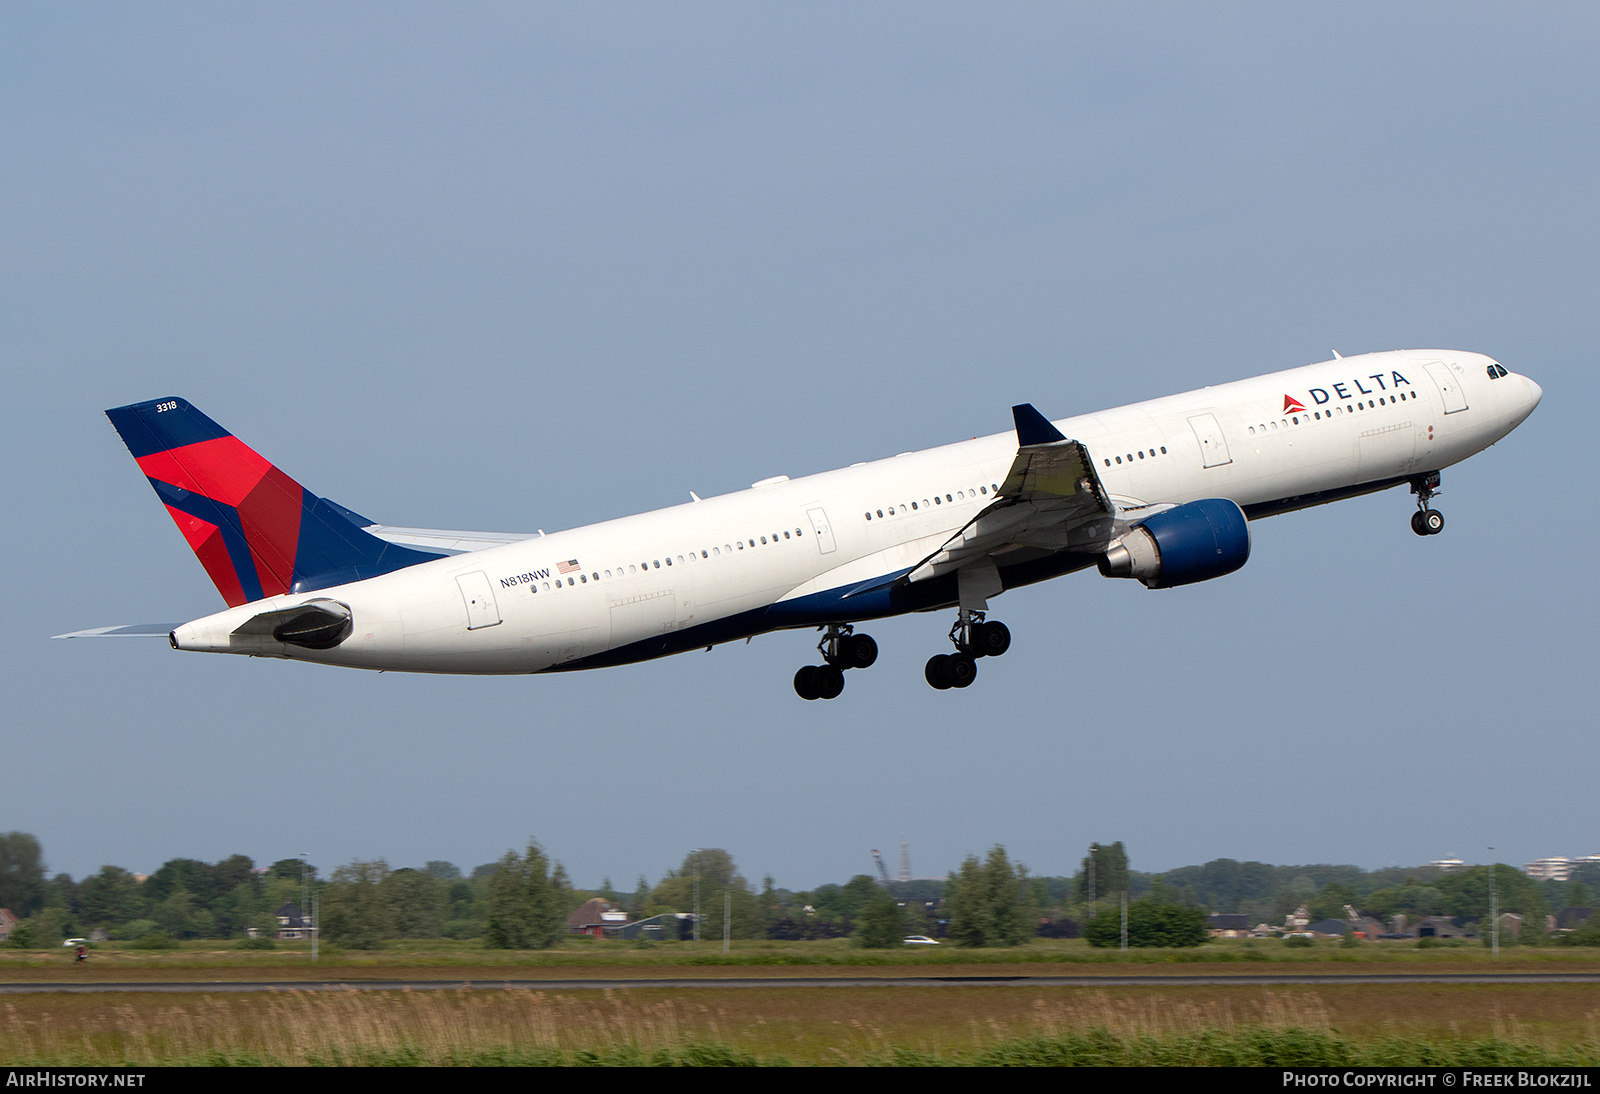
[[1161, 492]]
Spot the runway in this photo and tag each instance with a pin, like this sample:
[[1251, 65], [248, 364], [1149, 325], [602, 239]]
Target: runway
[[730, 982]]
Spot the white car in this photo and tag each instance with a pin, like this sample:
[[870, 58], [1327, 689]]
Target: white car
[[919, 940]]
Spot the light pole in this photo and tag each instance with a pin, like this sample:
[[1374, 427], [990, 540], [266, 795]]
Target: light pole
[[308, 921], [696, 854], [1494, 909]]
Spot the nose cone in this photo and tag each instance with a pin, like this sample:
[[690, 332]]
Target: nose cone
[[1528, 398]]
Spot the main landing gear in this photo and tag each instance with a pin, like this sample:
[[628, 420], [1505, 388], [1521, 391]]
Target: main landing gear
[[1425, 521], [841, 649], [972, 638]]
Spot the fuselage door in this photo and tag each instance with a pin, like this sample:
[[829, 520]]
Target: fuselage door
[[482, 611], [819, 525], [1449, 384], [1213, 446]]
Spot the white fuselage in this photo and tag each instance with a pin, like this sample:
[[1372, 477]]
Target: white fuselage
[[783, 554]]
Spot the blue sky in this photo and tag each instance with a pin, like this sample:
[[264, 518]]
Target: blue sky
[[522, 266]]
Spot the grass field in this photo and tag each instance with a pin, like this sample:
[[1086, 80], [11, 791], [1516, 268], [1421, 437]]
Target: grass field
[[1331, 1023], [1337, 1024]]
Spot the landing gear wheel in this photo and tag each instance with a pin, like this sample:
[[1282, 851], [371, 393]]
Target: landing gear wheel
[[829, 681], [1426, 521], [844, 649], [961, 669], [858, 651], [936, 672], [990, 639], [805, 683], [819, 682]]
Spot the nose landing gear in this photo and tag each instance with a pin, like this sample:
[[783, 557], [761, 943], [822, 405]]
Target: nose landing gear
[[841, 649], [973, 638], [1426, 521]]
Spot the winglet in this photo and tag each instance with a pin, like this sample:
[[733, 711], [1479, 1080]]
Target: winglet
[[1033, 427]]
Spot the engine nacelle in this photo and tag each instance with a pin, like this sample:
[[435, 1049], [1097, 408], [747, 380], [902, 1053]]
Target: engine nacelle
[[1193, 542]]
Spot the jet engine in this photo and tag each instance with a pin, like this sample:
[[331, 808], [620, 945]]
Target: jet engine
[[1193, 542]]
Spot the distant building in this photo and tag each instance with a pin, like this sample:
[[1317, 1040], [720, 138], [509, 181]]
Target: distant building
[[671, 926], [8, 923], [292, 922], [597, 918], [1549, 869], [1448, 864], [1228, 925]]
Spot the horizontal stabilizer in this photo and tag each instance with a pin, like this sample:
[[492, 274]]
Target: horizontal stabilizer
[[132, 630], [444, 540]]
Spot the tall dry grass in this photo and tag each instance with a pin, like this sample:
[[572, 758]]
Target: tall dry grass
[[733, 1027]]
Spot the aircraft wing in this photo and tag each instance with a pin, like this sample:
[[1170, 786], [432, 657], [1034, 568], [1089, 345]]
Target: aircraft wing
[[132, 630], [445, 540], [1051, 499]]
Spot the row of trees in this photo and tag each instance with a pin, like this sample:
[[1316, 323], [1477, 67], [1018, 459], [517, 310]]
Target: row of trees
[[523, 899]]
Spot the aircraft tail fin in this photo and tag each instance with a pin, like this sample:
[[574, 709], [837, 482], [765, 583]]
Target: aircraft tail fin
[[256, 531]]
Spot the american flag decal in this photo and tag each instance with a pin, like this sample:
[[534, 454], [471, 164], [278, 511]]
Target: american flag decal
[[570, 566]]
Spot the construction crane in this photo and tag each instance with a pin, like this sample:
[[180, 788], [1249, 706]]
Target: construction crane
[[883, 871]]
